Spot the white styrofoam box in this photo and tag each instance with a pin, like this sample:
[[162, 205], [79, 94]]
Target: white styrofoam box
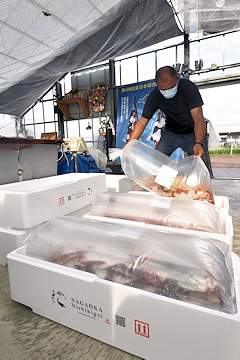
[[10, 239], [36, 162], [220, 201], [9, 166], [80, 212], [118, 183], [227, 237], [145, 324], [44, 160], [29, 203]]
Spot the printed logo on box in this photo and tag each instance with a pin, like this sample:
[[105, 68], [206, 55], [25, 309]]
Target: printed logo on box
[[87, 309], [90, 310], [61, 200], [141, 328], [59, 298], [89, 191], [82, 193]]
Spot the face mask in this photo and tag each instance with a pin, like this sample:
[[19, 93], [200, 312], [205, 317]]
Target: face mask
[[170, 93]]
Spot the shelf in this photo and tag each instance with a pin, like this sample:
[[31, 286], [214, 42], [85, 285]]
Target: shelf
[[64, 106]]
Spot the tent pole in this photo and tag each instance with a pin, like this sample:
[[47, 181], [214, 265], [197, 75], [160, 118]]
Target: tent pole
[[16, 125], [112, 93], [186, 56], [59, 113]]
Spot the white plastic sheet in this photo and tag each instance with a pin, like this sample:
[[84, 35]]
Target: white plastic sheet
[[99, 157], [214, 137], [37, 49]]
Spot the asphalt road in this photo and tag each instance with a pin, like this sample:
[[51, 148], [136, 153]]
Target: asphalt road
[[226, 167], [225, 161]]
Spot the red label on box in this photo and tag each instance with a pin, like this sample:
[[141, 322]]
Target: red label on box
[[61, 201], [141, 328]]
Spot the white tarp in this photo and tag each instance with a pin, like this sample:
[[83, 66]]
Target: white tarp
[[42, 39], [208, 16]]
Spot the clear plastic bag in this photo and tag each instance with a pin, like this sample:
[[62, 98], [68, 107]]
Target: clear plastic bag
[[186, 268], [214, 139], [186, 214], [99, 157], [187, 178]]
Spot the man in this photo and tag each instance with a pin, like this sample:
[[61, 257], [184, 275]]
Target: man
[[181, 102]]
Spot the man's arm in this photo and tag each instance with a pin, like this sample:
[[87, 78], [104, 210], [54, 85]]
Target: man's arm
[[138, 128], [199, 129]]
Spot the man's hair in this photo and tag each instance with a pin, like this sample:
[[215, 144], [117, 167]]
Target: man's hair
[[166, 70]]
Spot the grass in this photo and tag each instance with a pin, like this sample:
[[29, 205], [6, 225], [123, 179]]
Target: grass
[[225, 150]]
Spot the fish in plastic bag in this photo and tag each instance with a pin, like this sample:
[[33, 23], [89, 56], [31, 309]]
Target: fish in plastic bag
[[187, 178]]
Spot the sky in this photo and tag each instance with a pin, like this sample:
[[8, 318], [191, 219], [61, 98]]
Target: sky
[[222, 107]]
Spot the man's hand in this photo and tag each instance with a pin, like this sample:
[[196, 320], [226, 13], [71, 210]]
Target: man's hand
[[199, 130], [197, 150]]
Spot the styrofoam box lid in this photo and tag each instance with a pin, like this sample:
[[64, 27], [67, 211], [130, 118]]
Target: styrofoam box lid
[[29, 203], [118, 183], [116, 177], [37, 185]]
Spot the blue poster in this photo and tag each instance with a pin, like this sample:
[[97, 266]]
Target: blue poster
[[131, 100]]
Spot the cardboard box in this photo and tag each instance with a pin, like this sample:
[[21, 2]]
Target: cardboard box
[[118, 183], [29, 203], [147, 325], [49, 136]]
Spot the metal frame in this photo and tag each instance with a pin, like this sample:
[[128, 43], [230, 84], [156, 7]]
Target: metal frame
[[112, 76]]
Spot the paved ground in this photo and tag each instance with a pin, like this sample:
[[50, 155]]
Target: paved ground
[[225, 161], [226, 166]]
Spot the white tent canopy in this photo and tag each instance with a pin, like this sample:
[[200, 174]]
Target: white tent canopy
[[208, 16], [43, 39]]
